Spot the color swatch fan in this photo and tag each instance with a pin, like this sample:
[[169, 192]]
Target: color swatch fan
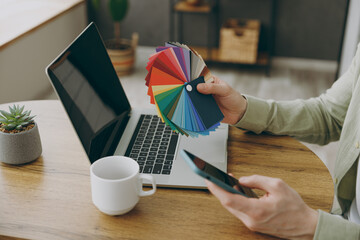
[[174, 71]]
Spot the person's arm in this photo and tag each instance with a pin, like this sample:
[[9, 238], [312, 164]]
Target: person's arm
[[281, 212], [317, 120], [334, 227]]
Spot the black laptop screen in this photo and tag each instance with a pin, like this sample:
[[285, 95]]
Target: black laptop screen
[[91, 93]]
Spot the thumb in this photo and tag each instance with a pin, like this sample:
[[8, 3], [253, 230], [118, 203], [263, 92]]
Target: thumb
[[267, 184], [213, 88]]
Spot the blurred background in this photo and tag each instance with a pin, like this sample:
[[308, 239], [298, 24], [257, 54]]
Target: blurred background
[[276, 49], [302, 29]]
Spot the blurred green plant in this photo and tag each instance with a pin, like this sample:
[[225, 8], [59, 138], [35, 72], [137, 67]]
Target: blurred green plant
[[118, 10]]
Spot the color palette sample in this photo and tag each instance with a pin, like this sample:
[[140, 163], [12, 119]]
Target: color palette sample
[[174, 71]]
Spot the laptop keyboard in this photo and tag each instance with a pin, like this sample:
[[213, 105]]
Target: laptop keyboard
[[153, 145]]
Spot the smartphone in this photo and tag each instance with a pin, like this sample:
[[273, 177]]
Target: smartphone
[[215, 175]]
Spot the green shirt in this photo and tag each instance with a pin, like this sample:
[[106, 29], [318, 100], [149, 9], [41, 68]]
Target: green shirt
[[332, 116]]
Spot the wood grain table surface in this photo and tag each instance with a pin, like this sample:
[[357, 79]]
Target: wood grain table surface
[[50, 198]]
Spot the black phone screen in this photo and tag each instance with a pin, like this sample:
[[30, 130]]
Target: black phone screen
[[220, 175]]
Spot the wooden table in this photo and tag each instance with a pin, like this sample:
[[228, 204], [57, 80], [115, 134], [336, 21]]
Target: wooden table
[[51, 199]]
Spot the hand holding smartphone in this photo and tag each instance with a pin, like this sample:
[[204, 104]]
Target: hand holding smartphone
[[215, 175]]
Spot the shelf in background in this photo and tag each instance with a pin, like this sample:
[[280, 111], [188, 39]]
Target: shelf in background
[[212, 10], [185, 7], [262, 60]]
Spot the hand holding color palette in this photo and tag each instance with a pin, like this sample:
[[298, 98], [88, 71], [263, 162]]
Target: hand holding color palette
[[174, 71]]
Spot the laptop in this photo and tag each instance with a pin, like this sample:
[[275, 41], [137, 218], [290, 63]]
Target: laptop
[[90, 90]]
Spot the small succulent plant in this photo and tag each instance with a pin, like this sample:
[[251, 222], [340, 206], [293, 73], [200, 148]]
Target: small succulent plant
[[16, 119]]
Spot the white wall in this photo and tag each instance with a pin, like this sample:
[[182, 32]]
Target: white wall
[[352, 36], [23, 62]]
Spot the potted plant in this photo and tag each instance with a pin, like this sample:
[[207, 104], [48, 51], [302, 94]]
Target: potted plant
[[121, 51], [19, 136]]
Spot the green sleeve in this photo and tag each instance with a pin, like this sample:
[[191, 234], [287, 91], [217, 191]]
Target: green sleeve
[[331, 227], [316, 120]]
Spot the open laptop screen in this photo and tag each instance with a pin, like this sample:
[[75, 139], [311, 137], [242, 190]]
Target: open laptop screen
[[91, 93]]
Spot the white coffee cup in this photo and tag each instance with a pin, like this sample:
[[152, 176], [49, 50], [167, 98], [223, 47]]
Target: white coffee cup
[[116, 184]]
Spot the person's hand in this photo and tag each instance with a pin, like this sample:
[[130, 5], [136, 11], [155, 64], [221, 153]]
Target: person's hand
[[232, 104], [280, 212]]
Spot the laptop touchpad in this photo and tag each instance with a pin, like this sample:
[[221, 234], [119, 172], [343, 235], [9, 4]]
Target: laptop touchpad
[[211, 149]]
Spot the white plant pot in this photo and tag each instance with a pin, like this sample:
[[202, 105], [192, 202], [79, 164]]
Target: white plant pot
[[20, 148]]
